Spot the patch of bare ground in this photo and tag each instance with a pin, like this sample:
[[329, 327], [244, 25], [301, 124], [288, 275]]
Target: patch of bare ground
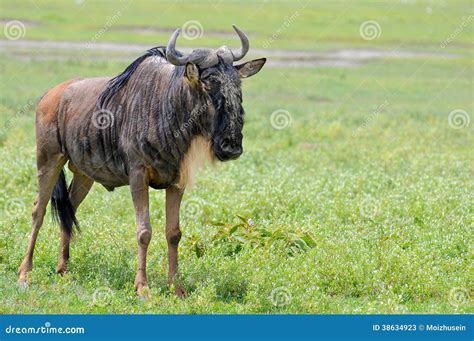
[[351, 57]]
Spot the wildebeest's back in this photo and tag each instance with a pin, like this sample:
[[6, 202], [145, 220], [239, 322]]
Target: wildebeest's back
[[90, 137]]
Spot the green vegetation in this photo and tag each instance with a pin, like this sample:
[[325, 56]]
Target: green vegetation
[[311, 24], [361, 203]]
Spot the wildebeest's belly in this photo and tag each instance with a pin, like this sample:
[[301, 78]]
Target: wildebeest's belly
[[107, 168], [90, 137]]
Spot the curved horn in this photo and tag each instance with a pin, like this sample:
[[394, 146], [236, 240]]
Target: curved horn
[[171, 55], [240, 53]]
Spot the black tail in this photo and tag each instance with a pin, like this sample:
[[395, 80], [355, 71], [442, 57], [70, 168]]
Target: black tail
[[61, 206]]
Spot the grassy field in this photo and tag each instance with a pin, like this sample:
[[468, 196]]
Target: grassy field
[[360, 178], [303, 24]]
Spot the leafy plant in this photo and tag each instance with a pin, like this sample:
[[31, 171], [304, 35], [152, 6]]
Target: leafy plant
[[246, 233]]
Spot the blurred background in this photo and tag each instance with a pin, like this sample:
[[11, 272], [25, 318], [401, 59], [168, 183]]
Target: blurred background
[[272, 25]]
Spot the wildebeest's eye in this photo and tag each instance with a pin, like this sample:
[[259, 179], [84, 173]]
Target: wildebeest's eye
[[212, 83], [213, 88]]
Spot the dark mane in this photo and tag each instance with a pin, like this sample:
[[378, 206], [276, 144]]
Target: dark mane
[[116, 83]]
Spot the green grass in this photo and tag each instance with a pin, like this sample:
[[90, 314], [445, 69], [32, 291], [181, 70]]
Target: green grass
[[310, 24], [369, 166]]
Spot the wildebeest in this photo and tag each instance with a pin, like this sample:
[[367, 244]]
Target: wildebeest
[[147, 127]]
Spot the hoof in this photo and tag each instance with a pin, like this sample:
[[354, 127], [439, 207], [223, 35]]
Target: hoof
[[23, 270], [143, 291], [61, 269], [180, 292], [23, 276], [141, 286], [22, 285]]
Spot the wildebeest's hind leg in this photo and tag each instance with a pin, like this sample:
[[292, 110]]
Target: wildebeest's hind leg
[[139, 189], [78, 190], [49, 168], [173, 235]]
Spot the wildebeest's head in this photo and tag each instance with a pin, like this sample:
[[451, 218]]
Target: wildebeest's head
[[214, 72]]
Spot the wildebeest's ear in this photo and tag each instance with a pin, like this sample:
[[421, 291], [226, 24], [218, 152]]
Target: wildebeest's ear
[[250, 68], [192, 72]]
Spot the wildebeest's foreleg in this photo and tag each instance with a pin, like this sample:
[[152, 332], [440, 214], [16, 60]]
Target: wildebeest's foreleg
[[139, 189], [80, 186], [173, 234], [49, 167]]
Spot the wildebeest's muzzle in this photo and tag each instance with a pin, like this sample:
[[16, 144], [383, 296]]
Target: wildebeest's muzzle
[[228, 148], [227, 139]]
